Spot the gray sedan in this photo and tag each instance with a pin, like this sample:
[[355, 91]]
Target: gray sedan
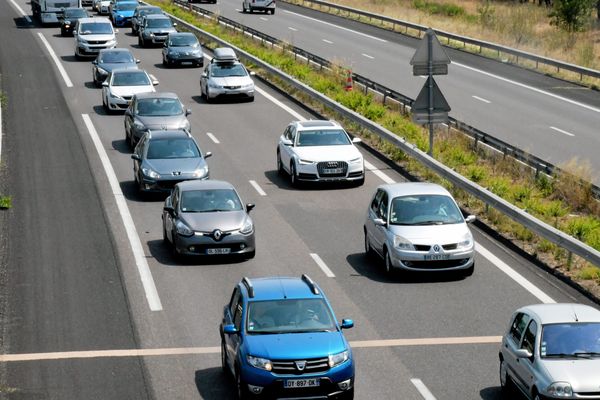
[[207, 218], [552, 351], [109, 60], [154, 29], [154, 111], [164, 158]]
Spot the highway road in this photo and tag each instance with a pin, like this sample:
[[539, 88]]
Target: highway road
[[555, 120], [96, 307]]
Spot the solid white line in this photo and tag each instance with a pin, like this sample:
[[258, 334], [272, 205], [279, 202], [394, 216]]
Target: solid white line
[[561, 131], [54, 57], [427, 395], [292, 29], [520, 279], [20, 10], [379, 173], [337, 26], [529, 87], [134, 239], [280, 104], [327, 41], [322, 265], [264, 19], [481, 99], [258, 188], [368, 56], [212, 137]]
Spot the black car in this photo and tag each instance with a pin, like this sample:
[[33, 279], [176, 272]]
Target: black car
[[69, 17], [182, 48]]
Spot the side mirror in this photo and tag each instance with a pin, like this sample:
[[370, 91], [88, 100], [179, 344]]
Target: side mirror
[[208, 154], [379, 222], [470, 218], [188, 112], [347, 324], [165, 44], [356, 140], [523, 353], [95, 62], [105, 84], [174, 23], [204, 74], [135, 156], [286, 142], [169, 208], [230, 329], [250, 207], [137, 61]]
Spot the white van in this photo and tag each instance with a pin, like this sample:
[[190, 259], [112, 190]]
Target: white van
[[92, 35], [259, 5]]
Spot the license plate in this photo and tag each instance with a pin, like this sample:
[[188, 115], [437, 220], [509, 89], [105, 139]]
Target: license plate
[[186, 63], [333, 170], [436, 257], [224, 250], [301, 383]]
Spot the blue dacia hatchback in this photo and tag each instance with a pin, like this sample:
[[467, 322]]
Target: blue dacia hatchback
[[280, 339]]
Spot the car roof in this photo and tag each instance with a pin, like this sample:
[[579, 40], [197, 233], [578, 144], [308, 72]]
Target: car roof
[[280, 288], [156, 16], [311, 124], [156, 95], [97, 20], [562, 312], [414, 188], [208, 184], [169, 134], [128, 2], [144, 7]]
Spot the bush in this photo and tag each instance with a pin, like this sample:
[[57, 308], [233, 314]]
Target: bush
[[476, 173], [589, 273], [499, 185], [449, 10], [582, 227], [571, 15]]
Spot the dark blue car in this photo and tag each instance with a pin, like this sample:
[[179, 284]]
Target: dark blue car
[[280, 339], [122, 12]]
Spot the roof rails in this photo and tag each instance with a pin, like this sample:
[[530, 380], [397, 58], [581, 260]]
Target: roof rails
[[249, 286], [311, 284]]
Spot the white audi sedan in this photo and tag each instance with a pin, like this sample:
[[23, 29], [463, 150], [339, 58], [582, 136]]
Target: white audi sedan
[[120, 86], [319, 151]]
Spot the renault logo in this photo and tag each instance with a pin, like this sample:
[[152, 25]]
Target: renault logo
[[436, 248], [217, 234], [300, 365]]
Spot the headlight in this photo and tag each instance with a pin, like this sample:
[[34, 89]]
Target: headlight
[[115, 96], [402, 243], [305, 162], [151, 34], [466, 243], [247, 227], [102, 71], [248, 86], [337, 359], [196, 52], [150, 173], [138, 125], [261, 363], [356, 160], [201, 172], [214, 85], [119, 16], [82, 41], [182, 229], [560, 389]]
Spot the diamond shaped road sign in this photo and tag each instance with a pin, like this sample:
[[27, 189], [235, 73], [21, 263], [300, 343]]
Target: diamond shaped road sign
[[421, 58], [420, 108]]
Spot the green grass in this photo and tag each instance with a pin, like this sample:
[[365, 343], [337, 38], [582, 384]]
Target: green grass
[[589, 273], [5, 202]]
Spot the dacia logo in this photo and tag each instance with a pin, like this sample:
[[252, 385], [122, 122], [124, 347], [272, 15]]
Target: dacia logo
[[300, 365]]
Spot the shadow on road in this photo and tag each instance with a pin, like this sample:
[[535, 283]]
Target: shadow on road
[[282, 181], [212, 384], [495, 393], [163, 253]]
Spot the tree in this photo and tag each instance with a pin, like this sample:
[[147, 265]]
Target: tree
[[571, 15]]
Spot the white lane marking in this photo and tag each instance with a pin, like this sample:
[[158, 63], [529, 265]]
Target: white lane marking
[[134, 239], [212, 137], [379, 173], [264, 19], [327, 41], [20, 10], [337, 26], [481, 99], [280, 104], [427, 395], [520, 279], [292, 29], [561, 131], [322, 265], [54, 57], [368, 56], [529, 87], [238, 10], [257, 188], [170, 351]]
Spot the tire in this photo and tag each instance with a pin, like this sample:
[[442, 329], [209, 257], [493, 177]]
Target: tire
[[387, 262], [272, 13], [506, 384], [293, 177], [207, 95], [140, 186], [129, 140], [280, 169], [164, 62], [224, 365], [165, 238], [242, 392], [251, 99], [360, 182], [244, 8], [105, 105], [141, 42], [368, 249]]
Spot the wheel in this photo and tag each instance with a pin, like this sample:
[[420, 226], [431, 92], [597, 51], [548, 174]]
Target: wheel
[[224, 365], [165, 63], [293, 177], [165, 238], [96, 81], [105, 105], [273, 12], [207, 95], [251, 99], [140, 41], [140, 186], [244, 8], [242, 392], [387, 262], [129, 140], [368, 248], [469, 271], [63, 33], [280, 169], [505, 383]]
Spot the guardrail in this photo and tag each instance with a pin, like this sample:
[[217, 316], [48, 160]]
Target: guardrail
[[582, 71], [530, 222]]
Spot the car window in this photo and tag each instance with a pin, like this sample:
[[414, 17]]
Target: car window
[[529, 337], [234, 300], [172, 148], [133, 78], [568, 339], [377, 200], [158, 23], [95, 28], [114, 57], [221, 70], [183, 41], [424, 210], [328, 137], [383, 207], [518, 326], [159, 107], [290, 315], [237, 315], [210, 200]]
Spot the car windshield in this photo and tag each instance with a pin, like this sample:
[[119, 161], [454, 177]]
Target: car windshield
[[172, 148], [183, 41], [328, 137], [76, 13], [159, 23], [133, 78], [424, 210], [126, 6], [95, 28], [570, 340], [222, 70], [289, 316], [159, 107], [116, 57], [210, 200]]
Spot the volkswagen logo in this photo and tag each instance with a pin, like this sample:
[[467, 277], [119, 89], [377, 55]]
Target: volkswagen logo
[[217, 234], [300, 365], [436, 248]]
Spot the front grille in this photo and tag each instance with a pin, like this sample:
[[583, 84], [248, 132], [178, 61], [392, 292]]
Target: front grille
[[435, 264], [96, 41], [422, 247], [231, 87], [289, 366], [306, 176], [162, 35], [233, 247], [322, 168]]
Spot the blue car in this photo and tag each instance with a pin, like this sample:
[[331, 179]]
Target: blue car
[[122, 12], [280, 339]]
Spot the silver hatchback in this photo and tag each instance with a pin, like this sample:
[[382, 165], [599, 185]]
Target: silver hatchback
[[419, 227], [552, 351]]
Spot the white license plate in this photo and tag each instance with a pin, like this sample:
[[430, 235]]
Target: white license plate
[[186, 62], [333, 170], [224, 250], [301, 383], [436, 257]]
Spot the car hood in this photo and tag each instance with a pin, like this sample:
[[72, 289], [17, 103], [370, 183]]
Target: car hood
[[102, 37], [125, 13], [582, 374], [168, 166], [130, 90], [209, 221], [160, 30], [231, 80], [295, 346], [156, 123], [183, 49], [431, 234], [327, 153], [108, 67]]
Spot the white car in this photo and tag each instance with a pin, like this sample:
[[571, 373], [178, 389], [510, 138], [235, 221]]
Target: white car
[[267, 6], [120, 86], [319, 151], [102, 6], [225, 76], [92, 35]]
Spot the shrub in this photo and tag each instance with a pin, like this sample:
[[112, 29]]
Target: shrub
[[499, 185], [520, 193], [571, 15], [582, 227], [5, 202], [476, 173], [589, 273]]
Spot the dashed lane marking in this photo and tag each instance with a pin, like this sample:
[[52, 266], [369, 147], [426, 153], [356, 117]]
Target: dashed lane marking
[[322, 265], [212, 137], [561, 131], [257, 188], [427, 395]]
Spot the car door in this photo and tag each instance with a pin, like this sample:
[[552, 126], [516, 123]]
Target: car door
[[371, 216], [170, 217], [234, 341], [204, 78], [380, 232], [525, 367], [228, 313], [140, 152], [511, 342], [287, 152], [129, 115]]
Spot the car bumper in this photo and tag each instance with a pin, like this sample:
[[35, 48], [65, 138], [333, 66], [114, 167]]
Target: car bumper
[[200, 245], [165, 185], [123, 21], [155, 39], [311, 172], [119, 104], [93, 50], [419, 261], [181, 59], [231, 92]]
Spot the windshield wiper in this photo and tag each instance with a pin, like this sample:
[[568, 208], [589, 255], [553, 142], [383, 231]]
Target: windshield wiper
[[586, 354], [431, 222]]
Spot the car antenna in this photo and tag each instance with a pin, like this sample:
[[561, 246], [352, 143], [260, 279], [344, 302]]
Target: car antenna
[[575, 315]]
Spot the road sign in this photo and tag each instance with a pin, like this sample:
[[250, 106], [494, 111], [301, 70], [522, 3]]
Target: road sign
[[430, 51], [430, 101]]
